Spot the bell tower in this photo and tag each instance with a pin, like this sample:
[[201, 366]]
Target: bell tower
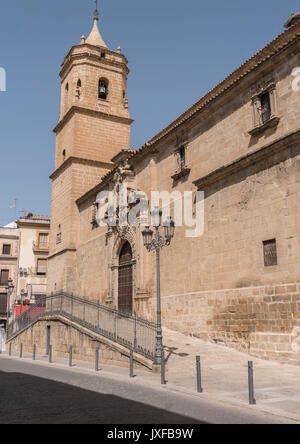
[[94, 125]]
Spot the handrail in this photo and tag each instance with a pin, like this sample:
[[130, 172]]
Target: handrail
[[129, 330]]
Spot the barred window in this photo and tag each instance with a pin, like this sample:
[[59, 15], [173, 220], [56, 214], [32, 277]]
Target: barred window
[[270, 253]]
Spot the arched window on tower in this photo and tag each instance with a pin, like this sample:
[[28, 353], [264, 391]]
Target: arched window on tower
[[79, 83], [103, 89]]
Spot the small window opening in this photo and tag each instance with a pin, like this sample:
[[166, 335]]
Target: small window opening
[[265, 107], [182, 160], [270, 253]]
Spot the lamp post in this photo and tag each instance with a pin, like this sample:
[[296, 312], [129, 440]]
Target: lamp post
[[155, 244], [9, 289]]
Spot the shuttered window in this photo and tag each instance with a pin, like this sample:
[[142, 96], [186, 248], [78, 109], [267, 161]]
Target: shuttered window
[[6, 250], [3, 303], [43, 240], [42, 266], [4, 277]]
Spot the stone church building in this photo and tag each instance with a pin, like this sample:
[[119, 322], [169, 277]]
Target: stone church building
[[239, 283]]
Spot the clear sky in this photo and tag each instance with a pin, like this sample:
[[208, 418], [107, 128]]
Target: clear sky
[[177, 50]]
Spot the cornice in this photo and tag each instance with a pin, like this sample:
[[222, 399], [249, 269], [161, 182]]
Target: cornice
[[65, 250], [10, 237], [90, 112], [248, 159], [92, 55], [33, 224], [75, 159]]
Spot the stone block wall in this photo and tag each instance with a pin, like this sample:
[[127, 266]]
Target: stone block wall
[[263, 321], [84, 343]]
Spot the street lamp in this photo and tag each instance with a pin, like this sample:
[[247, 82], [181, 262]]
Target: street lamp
[[156, 244], [9, 289]]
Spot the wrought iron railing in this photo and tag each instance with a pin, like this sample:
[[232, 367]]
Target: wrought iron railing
[[131, 331]]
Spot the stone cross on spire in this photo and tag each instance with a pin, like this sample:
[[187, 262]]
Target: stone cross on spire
[[96, 10]]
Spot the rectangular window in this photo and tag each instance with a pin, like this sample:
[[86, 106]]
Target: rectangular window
[[265, 107], [4, 275], [43, 240], [182, 158], [3, 303], [6, 250], [42, 267], [270, 253]]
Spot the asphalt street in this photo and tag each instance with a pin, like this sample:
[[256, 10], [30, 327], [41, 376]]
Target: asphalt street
[[35, 393]]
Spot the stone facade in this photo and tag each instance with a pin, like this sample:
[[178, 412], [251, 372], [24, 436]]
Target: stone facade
[[92, 129], [243, 154], [63, 334], [9, 253], [33, 257]]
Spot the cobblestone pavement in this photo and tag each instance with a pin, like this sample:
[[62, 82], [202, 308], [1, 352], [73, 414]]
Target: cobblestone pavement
[[224, 380]]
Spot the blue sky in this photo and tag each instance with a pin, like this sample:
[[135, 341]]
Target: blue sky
[[177, 51]]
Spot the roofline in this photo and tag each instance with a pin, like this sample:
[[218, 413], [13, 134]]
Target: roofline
[[270, 50], [277, 45]]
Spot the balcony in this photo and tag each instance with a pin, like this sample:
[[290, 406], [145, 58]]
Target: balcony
[[40, 247]]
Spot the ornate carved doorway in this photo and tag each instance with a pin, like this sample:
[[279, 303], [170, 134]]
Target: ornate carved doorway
[[125, 279]]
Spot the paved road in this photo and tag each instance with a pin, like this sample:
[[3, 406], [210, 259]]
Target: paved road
[[36, 393], [28, 399]]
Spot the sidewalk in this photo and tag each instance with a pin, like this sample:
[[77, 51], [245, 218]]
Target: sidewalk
[[224, 376]]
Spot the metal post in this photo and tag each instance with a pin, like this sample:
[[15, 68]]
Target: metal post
[[50, 354], [10, 349], [116, 324], [34, 353], [131, 364], [97, 360], [163, 369], [135, 339], [159, 344], [199, 382], [252, 400], [71, 357], [21, 351]]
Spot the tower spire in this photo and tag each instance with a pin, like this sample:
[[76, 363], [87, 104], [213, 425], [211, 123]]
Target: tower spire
[[95, 36]]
